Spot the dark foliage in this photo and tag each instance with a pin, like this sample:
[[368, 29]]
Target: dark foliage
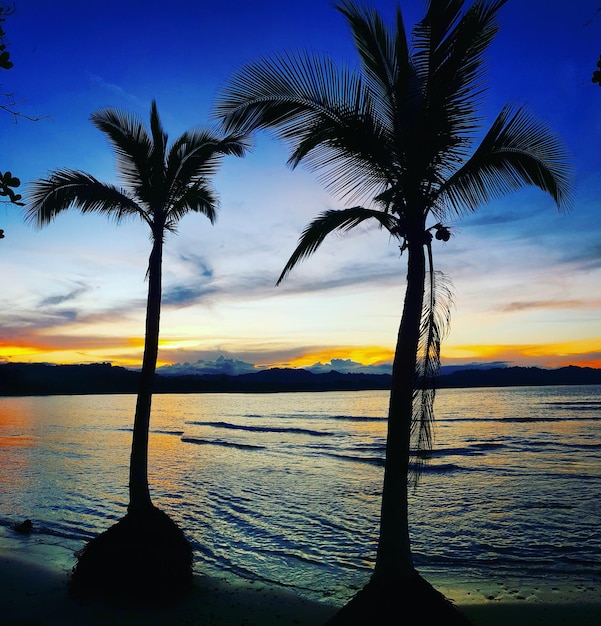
[[24, 379], [7, 181], [143, 558], [597, 73]]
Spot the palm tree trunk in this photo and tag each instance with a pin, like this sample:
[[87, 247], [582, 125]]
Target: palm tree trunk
[[139, 494], [393, 559]]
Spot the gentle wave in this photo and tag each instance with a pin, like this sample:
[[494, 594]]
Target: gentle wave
[[356, 459], [265, 429], [357, 418], [477, 449], [219, 442], [319, 416], [547, 505], [501, 420], [178, 433], [577, 405], [441, 468]]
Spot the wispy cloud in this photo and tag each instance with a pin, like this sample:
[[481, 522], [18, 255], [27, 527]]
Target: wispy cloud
[[551, 304], [180, 295], [587, 257], [116, 90], [200, 266], [65, 297]]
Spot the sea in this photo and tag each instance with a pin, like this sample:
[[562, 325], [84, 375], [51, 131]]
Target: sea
[[285, 488]]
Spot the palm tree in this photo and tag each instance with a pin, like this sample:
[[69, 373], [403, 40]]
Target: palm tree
[[145, 553], [399, 134]]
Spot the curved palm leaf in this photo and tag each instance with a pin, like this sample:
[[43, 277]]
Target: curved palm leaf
[[518, 150], [343, 220], [68, 188], [194, 158], [200, 198]]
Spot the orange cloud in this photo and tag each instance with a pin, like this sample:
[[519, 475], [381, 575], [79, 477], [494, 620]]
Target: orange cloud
[[35, 346], [367, 355], [586, 353], [526, 305]]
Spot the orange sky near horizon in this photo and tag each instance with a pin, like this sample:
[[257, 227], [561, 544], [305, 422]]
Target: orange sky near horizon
[[580, 353]]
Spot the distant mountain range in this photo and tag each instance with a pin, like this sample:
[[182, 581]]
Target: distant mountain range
[[23, 379]]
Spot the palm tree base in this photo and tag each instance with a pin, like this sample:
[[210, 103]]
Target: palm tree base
[[144, 557], [388, 604]]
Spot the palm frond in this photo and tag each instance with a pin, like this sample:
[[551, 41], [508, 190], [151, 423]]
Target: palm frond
[[518, 150], [198, 198], [283, 92], [159, 136], [191, 162], [197, 154], [65, 188], [325, 114], [435, 322], [384, 55], [329, 221], [450, 58], [132, 143]]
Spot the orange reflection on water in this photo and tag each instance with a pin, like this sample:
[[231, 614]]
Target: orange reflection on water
[[16, 433]]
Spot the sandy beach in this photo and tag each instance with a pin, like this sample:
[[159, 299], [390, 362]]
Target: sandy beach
[[33, 592]]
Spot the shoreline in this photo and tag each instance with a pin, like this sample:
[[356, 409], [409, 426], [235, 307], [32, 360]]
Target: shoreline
[[35, 593], [33, 590]]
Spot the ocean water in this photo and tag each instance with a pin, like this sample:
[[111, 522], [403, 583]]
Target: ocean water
[[286, 487]]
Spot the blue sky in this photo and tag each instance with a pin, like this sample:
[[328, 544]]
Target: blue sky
[[526, 278]]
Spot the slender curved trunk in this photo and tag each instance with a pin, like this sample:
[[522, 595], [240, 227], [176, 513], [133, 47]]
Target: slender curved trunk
[[139, 494], [393, 560]]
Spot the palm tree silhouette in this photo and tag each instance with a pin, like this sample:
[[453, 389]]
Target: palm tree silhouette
[[161, 184], [400, 133]]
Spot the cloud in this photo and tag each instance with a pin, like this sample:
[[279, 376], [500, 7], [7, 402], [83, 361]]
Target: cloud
[[351, 276], [62, 298], [495, 219], [584, 352], [199, 264], [550, 304], [260, 286], [117, 90], [221, 365], [234, 367], [463, 364], [587, 257], [181, 295], [348, 366]]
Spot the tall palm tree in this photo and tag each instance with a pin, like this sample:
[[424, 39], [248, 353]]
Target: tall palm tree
[[400, 135], [161, 184]]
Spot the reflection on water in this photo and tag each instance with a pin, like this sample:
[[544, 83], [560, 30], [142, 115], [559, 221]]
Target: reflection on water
[[286, 487]]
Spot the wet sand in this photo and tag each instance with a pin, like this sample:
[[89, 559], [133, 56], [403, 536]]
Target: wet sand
[[33, 592]]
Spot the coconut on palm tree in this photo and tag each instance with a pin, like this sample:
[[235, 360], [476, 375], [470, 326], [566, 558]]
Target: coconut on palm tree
[[400, 140], [145, 554]]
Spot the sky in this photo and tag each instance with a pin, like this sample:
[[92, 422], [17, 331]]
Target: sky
[[526, 278]]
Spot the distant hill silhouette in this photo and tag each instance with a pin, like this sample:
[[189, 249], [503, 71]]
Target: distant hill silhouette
[[23, 379]]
